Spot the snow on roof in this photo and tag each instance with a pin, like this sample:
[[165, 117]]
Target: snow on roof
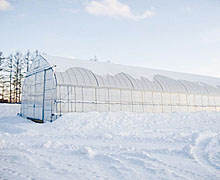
[[105, 68]]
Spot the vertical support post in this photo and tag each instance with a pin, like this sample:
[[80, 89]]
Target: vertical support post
[[60, 99], [208, 103], [96, 104], [75, 96], [82, 100], [142, 101], [202, 102], [71, 93], [153, 103], [68, 98], [132, 102], [171, 105], [108, 100], [56, 102], [200, 105], [180, 108], [44, 85], [120, 101], [161, 95], [187, 108], [51, 105], [215, 103]]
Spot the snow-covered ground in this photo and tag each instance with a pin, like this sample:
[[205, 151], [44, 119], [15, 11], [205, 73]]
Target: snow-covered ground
[[110, 146]]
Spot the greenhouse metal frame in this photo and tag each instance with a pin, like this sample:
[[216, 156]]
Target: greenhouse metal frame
[[56, 85]]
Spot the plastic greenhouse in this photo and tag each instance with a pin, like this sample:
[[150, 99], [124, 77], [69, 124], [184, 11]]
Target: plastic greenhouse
[[56, 85]]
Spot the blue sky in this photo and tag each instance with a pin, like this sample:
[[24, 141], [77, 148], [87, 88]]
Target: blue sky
[[177, 35]]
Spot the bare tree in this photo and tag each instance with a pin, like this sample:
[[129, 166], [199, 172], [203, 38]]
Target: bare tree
[[17, 76], [27, 59], [12, 72], [2, 76], [10, 69]]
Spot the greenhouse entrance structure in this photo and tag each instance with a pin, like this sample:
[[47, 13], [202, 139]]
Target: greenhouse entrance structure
[[55, 85]]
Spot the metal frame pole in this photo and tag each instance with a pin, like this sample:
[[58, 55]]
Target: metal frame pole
[[43, 94]]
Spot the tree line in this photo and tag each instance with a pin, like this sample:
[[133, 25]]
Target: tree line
[[12, 72]]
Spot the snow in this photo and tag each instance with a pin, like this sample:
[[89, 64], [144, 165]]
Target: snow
[[104, 68], [110, 146], [9, 110]]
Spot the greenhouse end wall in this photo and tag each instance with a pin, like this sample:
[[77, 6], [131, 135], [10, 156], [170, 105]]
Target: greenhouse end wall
[[39, 92]]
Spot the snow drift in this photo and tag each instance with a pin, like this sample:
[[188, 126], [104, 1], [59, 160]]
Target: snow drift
[[110, 146]]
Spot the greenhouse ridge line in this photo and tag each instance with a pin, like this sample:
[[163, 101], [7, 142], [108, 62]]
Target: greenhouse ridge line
[[49, 57]]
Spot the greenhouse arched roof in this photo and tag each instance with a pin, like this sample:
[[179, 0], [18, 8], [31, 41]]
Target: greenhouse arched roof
[[102, 74]]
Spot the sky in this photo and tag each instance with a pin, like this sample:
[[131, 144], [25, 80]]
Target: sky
[[176, 35]]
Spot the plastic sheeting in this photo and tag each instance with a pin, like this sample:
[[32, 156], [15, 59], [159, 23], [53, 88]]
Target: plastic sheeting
[[39, 92], [84, 86], [83, 77], [85, 99]]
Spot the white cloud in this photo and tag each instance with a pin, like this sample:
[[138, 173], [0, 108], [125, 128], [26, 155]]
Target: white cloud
[[4, 5], [114, 8]]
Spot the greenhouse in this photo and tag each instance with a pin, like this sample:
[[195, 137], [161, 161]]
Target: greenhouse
[[56, 85]]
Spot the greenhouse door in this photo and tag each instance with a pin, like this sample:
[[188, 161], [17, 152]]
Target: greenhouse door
[[38, 95], [48, 93], [42, 105]]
